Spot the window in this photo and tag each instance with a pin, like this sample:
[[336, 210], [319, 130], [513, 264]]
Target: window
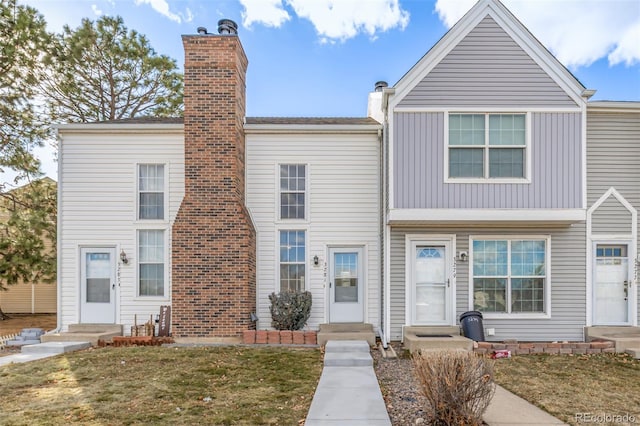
[[487, 146], [151, 191], [151, 262], [510, 275], [292, 260], [292, 191]]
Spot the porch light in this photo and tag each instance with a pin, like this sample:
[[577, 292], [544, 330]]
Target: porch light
[[123, 257], [254, 317], [316, 260]]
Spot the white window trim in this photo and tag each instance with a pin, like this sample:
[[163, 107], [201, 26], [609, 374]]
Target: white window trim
[[136, 261], [307, 197], [527, 150], [276, 285], [165, 206], [547, 283]]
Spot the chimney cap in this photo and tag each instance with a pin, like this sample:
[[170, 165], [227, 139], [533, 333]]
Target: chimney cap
[[380, 85], [227, 27], [202, 31]]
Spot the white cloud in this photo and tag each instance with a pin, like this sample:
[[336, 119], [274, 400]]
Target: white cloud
[[162, 7], [95, 10], [333, 19], [577, 32], [269, 13]]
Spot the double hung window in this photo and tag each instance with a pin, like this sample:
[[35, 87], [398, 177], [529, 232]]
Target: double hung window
[[293, 191], [292, 260], [487, 146], [151, 192]]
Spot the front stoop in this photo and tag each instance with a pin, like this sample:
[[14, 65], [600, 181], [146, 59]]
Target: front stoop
[[347, 353], [346, 331], [625, 338], [85, 333], [435, 339]]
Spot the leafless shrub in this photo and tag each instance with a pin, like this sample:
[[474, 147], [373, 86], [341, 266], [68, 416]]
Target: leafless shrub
[[457, 385]]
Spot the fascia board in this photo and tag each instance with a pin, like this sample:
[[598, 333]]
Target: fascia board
[[118, 128], [311, 128], [486, 216]]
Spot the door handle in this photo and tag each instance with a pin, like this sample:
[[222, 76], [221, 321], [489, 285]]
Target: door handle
[[626, 289], [330, 283], [448, 282], [113, 286]]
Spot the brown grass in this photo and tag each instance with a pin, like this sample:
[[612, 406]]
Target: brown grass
[[17, 322], [566, 386], [150, 385]]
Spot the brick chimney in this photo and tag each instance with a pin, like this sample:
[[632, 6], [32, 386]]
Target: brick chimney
[[213, 239]]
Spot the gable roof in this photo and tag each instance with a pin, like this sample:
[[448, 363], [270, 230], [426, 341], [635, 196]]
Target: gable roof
[[513, 28]]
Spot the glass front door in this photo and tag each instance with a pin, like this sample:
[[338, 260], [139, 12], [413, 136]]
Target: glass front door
[[98, 285], [346, 285]]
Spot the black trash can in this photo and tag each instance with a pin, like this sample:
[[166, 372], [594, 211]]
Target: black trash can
[[472, 327]]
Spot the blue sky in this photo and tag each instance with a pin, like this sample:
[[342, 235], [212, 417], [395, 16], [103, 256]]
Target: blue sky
[[322, 57]]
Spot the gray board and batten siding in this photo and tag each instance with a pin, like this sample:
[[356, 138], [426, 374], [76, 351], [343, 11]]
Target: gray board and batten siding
[[556, 175], [487, 69], [568, 303]]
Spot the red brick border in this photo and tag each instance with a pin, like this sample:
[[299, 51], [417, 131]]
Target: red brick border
[[561, 348], [280, 337]]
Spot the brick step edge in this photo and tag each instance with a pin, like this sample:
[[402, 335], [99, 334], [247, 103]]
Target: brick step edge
[[279, 337], [533, 348], [119, 341]]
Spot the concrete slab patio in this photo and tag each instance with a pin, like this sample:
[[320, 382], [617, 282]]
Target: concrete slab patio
[[43, 350]]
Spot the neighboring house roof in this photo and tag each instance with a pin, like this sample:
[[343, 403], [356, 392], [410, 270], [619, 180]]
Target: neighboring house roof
[[252, 124]]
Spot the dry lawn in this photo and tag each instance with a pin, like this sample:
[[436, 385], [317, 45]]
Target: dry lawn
[[568, 385], [158, 385], [17, 322]]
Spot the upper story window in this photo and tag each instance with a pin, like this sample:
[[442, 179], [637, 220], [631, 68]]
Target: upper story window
[[293, 191], [151, 189], [487, 146]]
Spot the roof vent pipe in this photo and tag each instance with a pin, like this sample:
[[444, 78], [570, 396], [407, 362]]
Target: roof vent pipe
[[381, 85], [227, 27], [202, 31]]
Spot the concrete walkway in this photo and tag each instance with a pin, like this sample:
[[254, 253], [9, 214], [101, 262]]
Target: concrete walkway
[[348, 392], [507, 409], [43, 350]]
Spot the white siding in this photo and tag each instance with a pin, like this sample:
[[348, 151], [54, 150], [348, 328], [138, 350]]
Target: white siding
[[344, 197], [97, 191]]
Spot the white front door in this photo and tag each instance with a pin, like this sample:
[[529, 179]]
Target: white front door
[[346, 285], [98, 285], [431, 275], [611, 285]]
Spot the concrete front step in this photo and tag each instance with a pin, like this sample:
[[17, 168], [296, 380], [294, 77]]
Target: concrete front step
[[634, 352], [435, 339], [85, 333], [353, 346], [347, 359], [55, 347], [346, 331], [623, 337]]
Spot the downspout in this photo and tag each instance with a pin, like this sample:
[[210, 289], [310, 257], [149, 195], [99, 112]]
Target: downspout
[[381, 135], [385, 208], [59, 238]]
